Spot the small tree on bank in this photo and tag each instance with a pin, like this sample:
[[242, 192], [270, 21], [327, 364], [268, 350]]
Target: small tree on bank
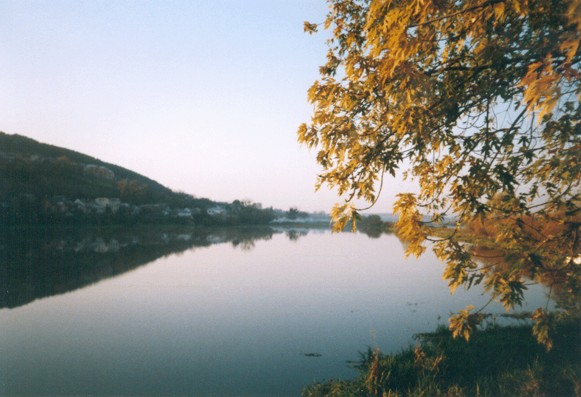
[[479, 100]]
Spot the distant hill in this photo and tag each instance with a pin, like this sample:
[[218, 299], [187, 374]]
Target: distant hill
[[42, 184], [39, 170]]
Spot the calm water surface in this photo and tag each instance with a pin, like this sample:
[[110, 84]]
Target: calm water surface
[[220, 315]]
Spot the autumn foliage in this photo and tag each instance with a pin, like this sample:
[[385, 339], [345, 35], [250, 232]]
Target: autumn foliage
[[475, 100]]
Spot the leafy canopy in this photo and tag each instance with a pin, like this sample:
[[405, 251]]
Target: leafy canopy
[[476, 100]]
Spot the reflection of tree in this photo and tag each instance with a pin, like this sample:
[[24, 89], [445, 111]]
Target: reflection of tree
[[373, 226], [38, 263], [564, 290], [295, 234], [244, 245]]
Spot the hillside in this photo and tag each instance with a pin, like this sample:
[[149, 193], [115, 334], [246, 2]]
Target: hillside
[[37, 177], [31, 167], [42, 184]]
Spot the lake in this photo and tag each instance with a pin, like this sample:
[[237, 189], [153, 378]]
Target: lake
[[225, 312]]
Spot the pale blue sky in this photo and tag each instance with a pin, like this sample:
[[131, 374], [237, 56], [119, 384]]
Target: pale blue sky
[[202, 96]]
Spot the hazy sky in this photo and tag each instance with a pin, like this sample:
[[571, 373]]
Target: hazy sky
[[203, 96]]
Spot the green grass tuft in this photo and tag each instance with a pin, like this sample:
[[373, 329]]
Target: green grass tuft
[[496, 362]]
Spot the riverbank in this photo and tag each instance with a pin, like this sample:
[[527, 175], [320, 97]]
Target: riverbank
[[498, 361]]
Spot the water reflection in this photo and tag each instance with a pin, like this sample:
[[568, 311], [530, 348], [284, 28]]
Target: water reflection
[[217, 321], [37, 263], [296, 234]]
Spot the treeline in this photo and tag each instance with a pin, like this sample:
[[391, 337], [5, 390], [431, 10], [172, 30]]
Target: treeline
[[48, 185], [29, 210], [44, 184]]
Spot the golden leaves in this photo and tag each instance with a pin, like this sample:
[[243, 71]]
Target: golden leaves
[[569, 46], [508, 287], [499, 14], [310, 28], [544, 78], [341, 215], [574, 13], [464, 323], [541, 89], [542, 328], [409, 224], [450, 89], [520, 6]]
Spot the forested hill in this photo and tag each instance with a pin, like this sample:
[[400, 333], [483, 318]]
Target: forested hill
[[38, 171], [31, 167]]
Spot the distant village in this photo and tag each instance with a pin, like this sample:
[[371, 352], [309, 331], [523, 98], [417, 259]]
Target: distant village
[[45, 185], [28, 209], [62, 206]]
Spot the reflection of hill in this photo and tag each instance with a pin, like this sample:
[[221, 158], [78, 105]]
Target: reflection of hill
[[37, 263]]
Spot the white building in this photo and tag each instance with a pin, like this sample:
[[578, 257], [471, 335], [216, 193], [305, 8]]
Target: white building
[[217, 210], [102, 203]]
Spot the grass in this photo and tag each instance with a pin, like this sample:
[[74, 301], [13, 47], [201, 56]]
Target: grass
[[497, 361]]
